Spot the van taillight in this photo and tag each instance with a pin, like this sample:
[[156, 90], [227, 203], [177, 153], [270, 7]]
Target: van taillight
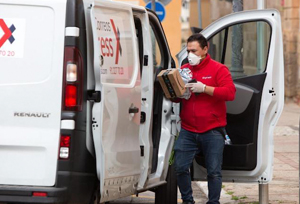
[[70, 95], [64, 147], [72, 81], [39, 194]]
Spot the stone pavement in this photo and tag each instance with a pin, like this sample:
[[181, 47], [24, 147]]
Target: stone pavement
[[284, 188], [149, 197]]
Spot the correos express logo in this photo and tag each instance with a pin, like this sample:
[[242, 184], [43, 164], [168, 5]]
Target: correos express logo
[[115, 38], [12, 37], [106, 46], [7, 33]]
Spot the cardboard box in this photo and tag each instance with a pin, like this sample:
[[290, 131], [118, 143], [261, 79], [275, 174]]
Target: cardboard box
[[171, 83]]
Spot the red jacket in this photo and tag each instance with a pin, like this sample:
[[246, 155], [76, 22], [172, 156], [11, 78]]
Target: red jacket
[[202, 112]]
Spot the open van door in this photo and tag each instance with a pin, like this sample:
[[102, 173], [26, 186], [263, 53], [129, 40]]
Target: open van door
[[249, 43], [116, 118]]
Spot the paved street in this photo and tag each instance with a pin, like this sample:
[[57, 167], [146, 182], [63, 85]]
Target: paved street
[[148, 197]]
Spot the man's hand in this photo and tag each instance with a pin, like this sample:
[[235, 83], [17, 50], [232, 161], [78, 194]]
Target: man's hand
[[198, 87]]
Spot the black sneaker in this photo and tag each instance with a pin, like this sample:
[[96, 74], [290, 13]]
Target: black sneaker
[[188, 202]]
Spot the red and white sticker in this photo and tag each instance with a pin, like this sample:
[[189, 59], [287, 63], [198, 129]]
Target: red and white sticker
[[12, 36], [116, 42]]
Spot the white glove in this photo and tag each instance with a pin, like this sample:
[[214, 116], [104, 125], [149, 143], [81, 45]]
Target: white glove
[[198, 87]]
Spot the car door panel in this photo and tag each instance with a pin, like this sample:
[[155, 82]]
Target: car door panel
[[242, 115], [162, 116]]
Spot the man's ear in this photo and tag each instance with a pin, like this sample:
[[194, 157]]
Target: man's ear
[[206, 49]]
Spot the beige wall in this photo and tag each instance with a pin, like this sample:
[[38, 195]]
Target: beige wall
[[206, 13], [172, 25], [290, 25]]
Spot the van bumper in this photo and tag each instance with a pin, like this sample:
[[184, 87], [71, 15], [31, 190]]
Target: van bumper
[[23, 194], [71, 187]]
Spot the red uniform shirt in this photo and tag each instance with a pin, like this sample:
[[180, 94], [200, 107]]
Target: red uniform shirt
[[202, 112]]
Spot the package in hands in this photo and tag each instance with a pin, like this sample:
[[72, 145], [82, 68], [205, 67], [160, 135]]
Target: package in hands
[[171, 83]]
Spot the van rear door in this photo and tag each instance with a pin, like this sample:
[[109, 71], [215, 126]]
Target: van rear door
[[31, 64], [116, 119]]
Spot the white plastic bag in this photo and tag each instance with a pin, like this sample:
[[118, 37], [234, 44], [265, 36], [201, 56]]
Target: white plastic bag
[[186, 75]]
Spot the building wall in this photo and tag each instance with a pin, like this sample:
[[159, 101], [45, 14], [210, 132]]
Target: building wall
[[291, 40], [206, 13]]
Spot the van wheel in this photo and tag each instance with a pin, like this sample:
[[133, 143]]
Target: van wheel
[[167, 194]]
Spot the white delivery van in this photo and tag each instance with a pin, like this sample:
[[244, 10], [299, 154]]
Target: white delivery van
[[84, 119]]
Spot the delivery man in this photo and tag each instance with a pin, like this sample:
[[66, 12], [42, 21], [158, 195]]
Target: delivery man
[[203, 118]]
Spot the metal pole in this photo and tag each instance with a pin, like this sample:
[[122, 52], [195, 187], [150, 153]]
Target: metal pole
[[199, 14], [153, 5], [261, 4], [263, 193], [263, 188]]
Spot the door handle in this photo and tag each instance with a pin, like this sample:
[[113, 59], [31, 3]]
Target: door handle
[[133, 110]]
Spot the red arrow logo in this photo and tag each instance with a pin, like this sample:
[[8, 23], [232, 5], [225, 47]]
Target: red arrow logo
[[117, 34], [7, 32]]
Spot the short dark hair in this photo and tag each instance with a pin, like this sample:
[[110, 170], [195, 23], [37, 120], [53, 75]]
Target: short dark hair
[[199, 38]]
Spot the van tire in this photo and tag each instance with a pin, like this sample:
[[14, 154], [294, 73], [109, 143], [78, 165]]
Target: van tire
[[167, 193], [95, 199]]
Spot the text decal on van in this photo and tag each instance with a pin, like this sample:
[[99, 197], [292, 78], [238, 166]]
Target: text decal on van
[[35, 115], [116, 45], [117, 34], [12, 33]]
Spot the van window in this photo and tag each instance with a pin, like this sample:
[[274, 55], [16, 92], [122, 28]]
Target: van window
[[243, 48], [157, 62], [161, 59], [139, 35]]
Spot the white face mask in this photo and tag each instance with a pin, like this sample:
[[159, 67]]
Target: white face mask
[[194, 59]]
